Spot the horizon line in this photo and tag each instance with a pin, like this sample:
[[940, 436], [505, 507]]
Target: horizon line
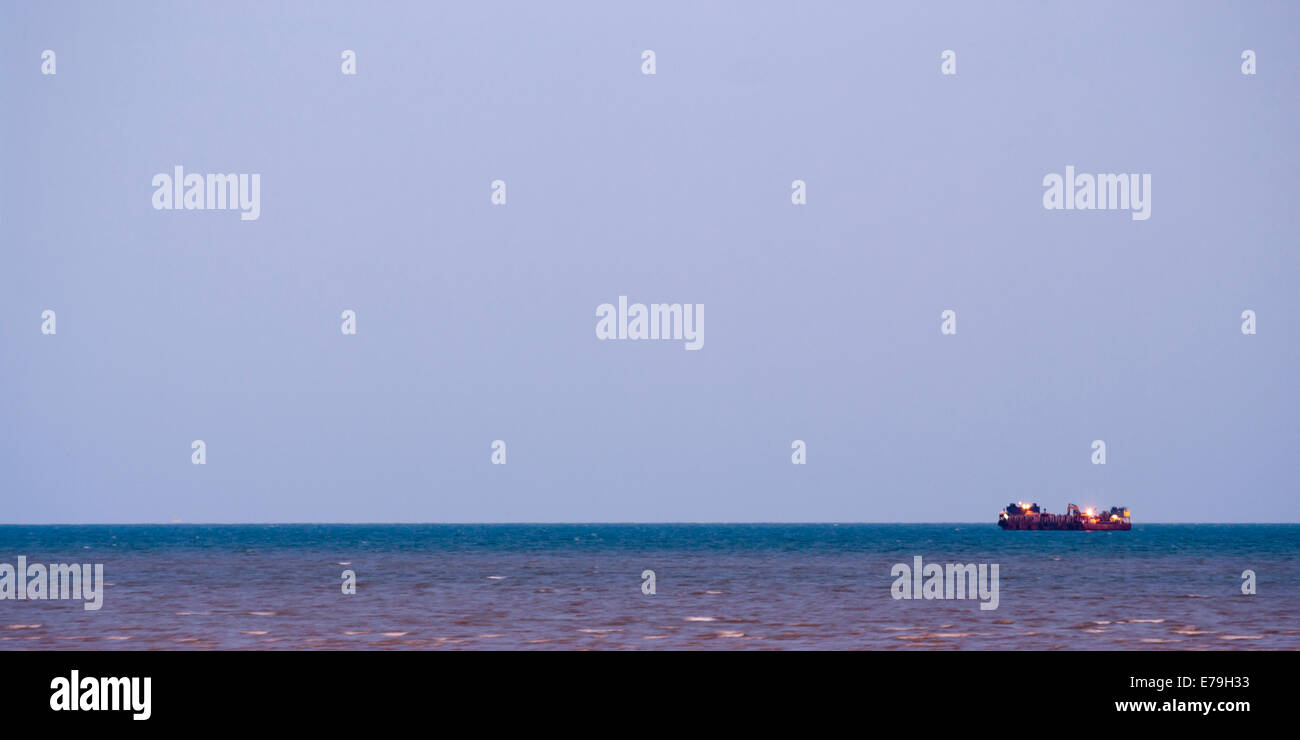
[[549, 523]]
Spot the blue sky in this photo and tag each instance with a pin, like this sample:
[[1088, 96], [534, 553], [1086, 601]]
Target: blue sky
[[476, 322]]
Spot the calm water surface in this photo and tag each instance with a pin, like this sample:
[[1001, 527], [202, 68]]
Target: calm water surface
[[736, 586]]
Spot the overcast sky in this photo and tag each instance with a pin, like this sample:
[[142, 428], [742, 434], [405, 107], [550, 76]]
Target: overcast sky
[[477, 322]]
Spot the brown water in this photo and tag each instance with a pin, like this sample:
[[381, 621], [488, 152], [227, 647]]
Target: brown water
[[816, 586]]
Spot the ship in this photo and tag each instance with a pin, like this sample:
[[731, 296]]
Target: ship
[[1030, 516]]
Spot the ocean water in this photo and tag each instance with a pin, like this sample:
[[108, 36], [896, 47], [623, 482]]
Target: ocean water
[[730, 586]]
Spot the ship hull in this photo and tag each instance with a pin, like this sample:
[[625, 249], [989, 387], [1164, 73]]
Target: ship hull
[[1062, 523]]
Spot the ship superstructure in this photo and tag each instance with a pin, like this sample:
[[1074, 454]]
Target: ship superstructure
[[1031, 516]]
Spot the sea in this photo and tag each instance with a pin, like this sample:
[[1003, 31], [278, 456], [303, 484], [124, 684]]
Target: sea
[[657, 587]]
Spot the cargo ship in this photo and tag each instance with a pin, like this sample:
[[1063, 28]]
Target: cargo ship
[[1029, 516]]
